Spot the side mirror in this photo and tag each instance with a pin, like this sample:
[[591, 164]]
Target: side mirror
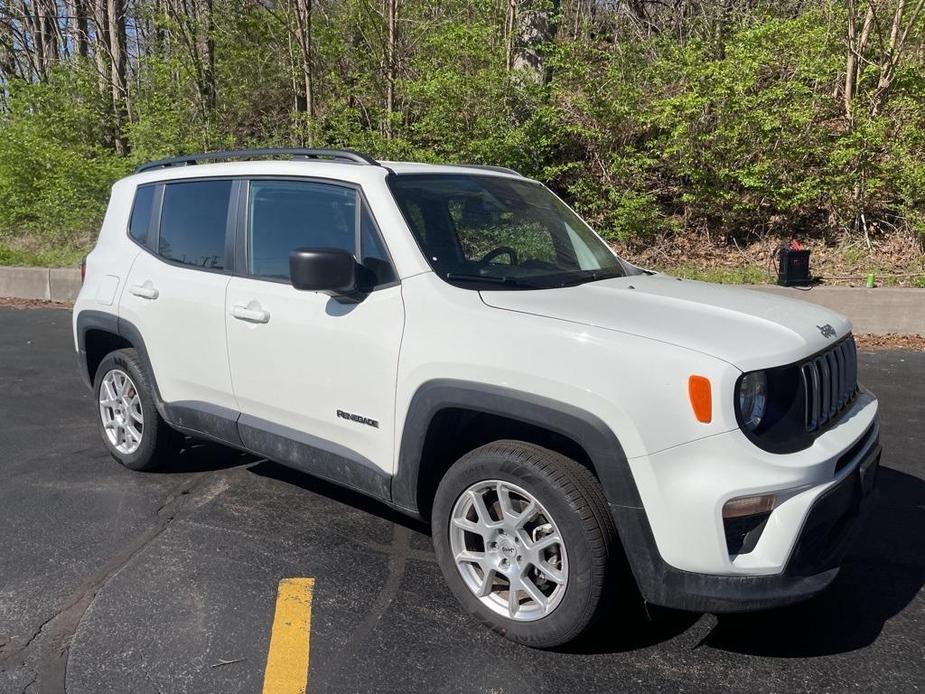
[[323, 269]]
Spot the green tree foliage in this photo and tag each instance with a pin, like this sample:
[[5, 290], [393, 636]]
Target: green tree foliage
[[55, 173], [734, 116]]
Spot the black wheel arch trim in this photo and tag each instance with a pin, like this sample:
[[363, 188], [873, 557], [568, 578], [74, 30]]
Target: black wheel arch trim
[[587, 430], [90, 319]]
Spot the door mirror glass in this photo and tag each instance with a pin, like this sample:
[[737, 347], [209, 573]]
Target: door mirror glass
[[323, 269]]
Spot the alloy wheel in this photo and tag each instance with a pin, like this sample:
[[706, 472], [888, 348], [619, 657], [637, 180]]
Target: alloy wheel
[[120, 411], [508, 550]]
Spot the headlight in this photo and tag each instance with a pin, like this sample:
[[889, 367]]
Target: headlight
[[753, 399]]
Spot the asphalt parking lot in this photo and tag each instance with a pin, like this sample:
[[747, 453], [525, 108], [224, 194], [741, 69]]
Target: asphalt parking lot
[[115, 581]]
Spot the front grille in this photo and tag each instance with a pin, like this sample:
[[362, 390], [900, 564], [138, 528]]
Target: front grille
[[830, 381]]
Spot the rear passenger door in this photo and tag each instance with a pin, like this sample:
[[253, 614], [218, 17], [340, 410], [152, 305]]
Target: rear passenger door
[[175, 293], [303, 362]]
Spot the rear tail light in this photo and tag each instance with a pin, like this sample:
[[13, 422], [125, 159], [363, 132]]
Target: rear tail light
[[83, 269]]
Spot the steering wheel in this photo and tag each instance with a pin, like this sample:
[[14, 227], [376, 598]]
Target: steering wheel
[[500, 250]]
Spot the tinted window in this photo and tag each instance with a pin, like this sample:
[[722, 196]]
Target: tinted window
[[285, 215], [141, 214], [374, 255], [481, 231], [193, 220]]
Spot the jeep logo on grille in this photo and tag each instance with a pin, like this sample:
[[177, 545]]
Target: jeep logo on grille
[[827, 330]]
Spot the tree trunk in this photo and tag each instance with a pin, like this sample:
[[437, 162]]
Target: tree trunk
[[205, 44], [101, 44], [390, 51], [303, 17], [117, 49], [534, 28], [35, 25], [54, 42], [77, 27], [510, 16], [899, 32], [857, 45]]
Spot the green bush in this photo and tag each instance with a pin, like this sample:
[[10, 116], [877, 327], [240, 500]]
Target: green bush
[[735, 126], [55, 175]]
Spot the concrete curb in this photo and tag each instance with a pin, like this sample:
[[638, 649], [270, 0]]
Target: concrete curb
[[48, 284], [874, 311]]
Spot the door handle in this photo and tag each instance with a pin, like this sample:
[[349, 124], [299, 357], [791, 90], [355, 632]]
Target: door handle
[[252, 313], [145, 291]]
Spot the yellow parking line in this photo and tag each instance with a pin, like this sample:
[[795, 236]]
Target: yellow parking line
[[287, 661]]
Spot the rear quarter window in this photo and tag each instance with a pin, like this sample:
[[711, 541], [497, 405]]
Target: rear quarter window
[[140, 219]]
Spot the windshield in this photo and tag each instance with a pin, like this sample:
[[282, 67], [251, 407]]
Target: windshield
[[491, 232]]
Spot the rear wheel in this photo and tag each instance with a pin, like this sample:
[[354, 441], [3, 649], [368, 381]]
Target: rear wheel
[[525, 541], [128, 420]]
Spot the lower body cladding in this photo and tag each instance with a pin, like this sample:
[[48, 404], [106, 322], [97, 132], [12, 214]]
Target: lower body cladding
[[687, 553]]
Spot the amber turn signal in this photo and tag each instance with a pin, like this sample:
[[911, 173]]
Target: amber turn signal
[[701, 395], [749, 506]]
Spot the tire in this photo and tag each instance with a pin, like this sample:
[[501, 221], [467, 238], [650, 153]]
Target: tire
[[157, 442], [573, 505]]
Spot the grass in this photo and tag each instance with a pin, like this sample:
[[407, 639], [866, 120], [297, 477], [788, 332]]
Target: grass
[[749, 274], [52, 257]]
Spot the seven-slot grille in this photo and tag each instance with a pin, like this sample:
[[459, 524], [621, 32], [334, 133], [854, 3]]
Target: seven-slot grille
[[830, 380]]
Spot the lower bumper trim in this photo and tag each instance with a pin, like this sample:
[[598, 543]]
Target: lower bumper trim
[[823, 541]]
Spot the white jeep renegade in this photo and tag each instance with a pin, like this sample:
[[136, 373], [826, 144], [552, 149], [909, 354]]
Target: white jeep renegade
[[455, 341]]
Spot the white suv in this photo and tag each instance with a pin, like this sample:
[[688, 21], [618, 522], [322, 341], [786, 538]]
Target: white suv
[[457, 342]]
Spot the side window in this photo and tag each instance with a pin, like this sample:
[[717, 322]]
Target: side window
[[285, 215], [194, 216], [141, 214], [374, 256]]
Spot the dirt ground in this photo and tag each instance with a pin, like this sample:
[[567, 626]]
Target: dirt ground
[[894, 259]]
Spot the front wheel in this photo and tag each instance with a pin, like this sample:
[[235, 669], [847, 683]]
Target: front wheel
[[525, 541]]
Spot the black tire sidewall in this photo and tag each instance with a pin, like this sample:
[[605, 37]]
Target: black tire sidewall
[[144, 457], [579, 604]]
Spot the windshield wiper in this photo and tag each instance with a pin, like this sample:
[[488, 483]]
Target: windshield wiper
[[491, 279], [594, 276]]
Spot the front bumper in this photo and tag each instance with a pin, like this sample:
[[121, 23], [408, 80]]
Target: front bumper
[[678, 551], [814, 564]]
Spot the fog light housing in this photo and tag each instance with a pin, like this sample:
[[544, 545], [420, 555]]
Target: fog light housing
[[744, 520], [749, 505]]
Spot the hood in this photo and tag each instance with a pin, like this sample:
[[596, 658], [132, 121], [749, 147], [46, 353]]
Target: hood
[[747, 328]]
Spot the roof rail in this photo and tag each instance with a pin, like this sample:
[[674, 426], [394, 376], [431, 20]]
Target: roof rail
[[341, 155], [487, 167]]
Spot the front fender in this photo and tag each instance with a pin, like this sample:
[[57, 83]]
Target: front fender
[[586, 429]]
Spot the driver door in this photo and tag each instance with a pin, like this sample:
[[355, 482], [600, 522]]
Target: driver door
[[303, 361]]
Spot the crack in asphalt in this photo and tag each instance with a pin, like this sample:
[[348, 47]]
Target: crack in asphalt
[[30, 683], [54, 636], [398, 560]]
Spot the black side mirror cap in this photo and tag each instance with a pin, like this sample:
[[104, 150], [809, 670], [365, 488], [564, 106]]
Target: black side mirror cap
[[323, 269]]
